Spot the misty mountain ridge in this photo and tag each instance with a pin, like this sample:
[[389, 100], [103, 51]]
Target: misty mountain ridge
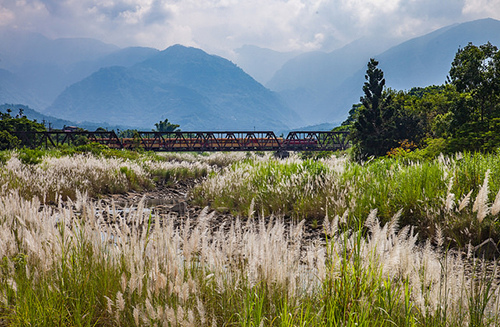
[[44, 67], [426, 60], [84, 79], [323, 87], [185, 85], [261, 63], [19, 47], [322, 68]]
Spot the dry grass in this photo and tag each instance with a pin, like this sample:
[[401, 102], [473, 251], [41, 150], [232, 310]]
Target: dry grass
[[51, 177], [129, 269], [451, 194], [82, 263]]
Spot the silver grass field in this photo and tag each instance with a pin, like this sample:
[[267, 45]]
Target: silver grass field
[[398, 245]]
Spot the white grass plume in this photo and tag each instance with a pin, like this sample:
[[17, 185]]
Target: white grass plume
[[450, 197], [495, 208], [256, 252], [481, 203], [465, 201]]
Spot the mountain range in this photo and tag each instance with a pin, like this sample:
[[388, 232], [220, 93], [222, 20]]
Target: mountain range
[[185, 85], [85, 80], [323, 86]]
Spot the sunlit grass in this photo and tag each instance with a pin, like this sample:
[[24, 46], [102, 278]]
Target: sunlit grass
[[89, 265], [81, 262], [431, 194], [49, 175]]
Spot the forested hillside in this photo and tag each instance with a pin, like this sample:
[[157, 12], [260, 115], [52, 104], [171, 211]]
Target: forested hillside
[[462, 114]]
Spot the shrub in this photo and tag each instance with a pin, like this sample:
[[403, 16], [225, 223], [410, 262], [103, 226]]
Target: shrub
[[404, 148], [30, 156], [8, 141]]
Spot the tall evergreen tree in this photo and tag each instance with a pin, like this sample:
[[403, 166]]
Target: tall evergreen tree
[[374, 129]]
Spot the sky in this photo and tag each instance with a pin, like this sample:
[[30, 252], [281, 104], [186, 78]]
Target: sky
[[221, 26]]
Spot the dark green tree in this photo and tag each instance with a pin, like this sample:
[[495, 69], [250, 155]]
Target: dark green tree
[[20, 123], [406, 123], [475, 73], [8, 141], [373, 131], [347, 125], [166, 126]]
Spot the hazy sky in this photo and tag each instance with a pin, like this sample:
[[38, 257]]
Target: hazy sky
[[219, 26]]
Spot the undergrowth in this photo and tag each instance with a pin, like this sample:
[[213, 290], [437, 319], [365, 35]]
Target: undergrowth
[[82, 263], [391, 252], [444, 193]]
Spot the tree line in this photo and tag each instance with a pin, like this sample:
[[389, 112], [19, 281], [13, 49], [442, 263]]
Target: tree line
[[19, 122], [10, 124], [463, 114]]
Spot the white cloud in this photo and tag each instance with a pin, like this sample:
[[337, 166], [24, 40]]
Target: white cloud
[[6, 16], [482, 8], [223, 25]]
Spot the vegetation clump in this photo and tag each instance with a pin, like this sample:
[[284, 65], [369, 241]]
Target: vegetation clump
[[95, 170], [461, 115], [9, 124], [452, 194]]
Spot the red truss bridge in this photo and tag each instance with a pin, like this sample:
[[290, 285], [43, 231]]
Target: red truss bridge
[[193, 141]]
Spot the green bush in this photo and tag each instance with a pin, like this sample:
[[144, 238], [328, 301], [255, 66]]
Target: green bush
[[30, 156], [8, 141], [4, 156]]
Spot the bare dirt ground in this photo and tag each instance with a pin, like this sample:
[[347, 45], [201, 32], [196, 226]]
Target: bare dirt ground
[[169, 201], [173, 201]]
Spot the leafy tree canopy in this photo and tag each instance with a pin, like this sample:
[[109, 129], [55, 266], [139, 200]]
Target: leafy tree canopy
[[166, 126], [19, 123], [463, 114], [475, 121]]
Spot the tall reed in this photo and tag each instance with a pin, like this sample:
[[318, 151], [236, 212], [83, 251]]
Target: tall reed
[[49, 175], [432, 194], [83, 263]]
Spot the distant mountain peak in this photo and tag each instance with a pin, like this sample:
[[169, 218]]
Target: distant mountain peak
[[323, 86], [185, 85]]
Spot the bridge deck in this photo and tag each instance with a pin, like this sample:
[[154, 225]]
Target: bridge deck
[[194, 141]]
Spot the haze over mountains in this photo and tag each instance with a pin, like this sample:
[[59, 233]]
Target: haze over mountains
[[88, 80], [185, 85], [323, 86]]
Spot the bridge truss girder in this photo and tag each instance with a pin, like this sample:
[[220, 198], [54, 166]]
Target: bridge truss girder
[[194, 141]]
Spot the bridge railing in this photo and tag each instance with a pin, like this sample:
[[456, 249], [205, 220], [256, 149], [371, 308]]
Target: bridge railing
[[316, 141], [56, 138], [193, 140], [205, 141]]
